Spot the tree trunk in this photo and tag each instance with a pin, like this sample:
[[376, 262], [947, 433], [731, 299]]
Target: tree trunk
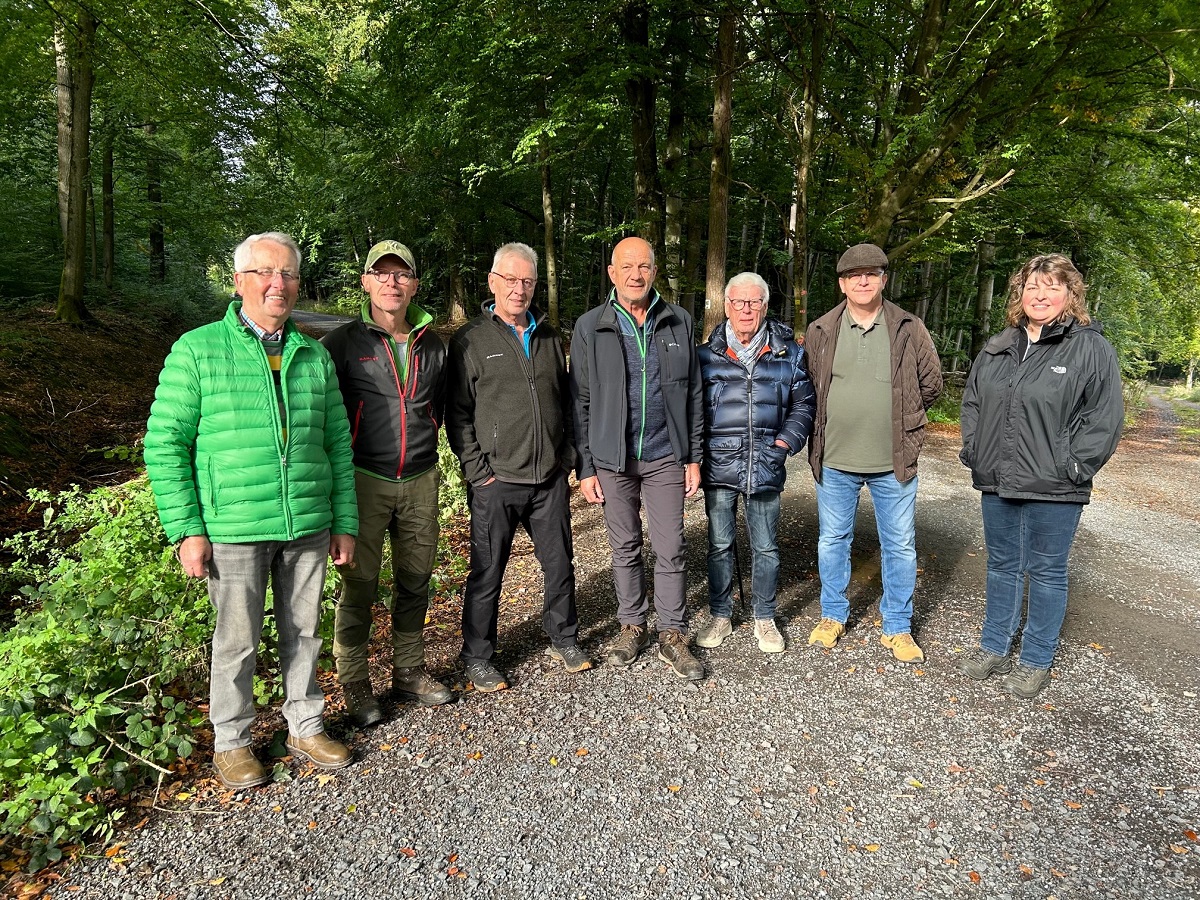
[[65, 91], [641, 91], [718, 196], [673, 161], [157, 236], [77, 45], [923, 302], [457, 301], [91, 202], [806, 153], [106, 202], [985, 286], [548, 229], [696, 219]]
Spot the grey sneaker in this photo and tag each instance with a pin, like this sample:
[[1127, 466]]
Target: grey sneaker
[[485, 677], [362, 707], [572, 657], [414, 683], [713, 634], [673, 650], [632, 640], [1026, 681], [979, 664], [769, 638]]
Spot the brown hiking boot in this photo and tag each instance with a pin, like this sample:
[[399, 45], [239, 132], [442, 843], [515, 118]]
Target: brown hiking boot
[[361, 706], [632, 640], [414, 683], [673, 650]]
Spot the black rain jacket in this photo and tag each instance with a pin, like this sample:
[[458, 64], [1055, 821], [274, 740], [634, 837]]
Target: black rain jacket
[[1042, 428]]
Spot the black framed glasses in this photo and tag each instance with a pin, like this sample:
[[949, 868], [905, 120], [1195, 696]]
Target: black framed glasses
[[752, 304], [398, 277]]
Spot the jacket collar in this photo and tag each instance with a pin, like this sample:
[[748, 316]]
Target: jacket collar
[[536, 315], [778, 336], [1052, 334], [417, 317], [661, 309]]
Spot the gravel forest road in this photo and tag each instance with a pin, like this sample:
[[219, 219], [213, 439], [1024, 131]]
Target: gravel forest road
[[806, 774]]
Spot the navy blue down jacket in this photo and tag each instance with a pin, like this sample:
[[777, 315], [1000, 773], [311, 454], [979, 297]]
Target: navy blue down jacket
[[744, 412]]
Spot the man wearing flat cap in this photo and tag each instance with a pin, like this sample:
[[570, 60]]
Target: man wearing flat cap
[[391, 368], [875, 371]]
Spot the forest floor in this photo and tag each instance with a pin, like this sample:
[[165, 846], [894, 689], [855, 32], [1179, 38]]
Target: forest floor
[[809, 773]]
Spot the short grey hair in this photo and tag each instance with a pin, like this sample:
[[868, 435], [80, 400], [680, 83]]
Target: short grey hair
[[748, 278], [515, 248], [241, 256]]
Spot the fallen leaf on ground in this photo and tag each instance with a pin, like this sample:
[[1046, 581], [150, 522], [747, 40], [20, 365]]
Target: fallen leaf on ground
[[582, 751], [1175, 848], [312, 825], [873, 847], [408, 851], [1026, 871], [1071, 804], [1057, 874], [1190, 835], [974, 876], [1027, 805], [673, 788]]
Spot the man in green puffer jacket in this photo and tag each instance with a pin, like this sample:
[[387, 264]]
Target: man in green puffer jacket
[[248, 453]]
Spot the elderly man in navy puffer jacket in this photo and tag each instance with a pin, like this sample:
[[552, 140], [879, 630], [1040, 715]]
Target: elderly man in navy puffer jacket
[[758, 411]]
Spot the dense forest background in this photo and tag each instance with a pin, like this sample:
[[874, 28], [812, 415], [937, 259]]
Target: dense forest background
[[143, 139]]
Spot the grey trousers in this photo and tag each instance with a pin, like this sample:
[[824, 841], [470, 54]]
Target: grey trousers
[[660, 486], [237, 587]]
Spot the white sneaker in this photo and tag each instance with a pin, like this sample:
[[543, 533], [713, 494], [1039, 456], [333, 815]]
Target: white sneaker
[[713, 634], [769, 638]]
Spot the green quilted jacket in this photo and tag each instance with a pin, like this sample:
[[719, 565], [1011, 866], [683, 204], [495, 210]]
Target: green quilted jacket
[[214, 443]]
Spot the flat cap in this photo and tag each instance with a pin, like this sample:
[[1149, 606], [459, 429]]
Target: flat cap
[[862, 256]]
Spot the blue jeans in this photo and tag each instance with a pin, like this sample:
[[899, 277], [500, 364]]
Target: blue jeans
[[1027, 538], [762, 521], [895, 521]]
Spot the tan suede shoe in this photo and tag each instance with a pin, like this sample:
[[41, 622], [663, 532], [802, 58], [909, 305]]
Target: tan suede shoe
[[321, 750], [239, 768]]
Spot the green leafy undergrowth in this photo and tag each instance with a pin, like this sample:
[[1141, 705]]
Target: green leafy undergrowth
[[93, 676]]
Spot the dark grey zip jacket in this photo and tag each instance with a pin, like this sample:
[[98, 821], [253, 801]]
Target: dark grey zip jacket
[[598, 387], [508, 416], [1042, 428], [393, 426]]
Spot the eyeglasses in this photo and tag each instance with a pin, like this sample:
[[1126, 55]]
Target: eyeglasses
[[870, 275], [743, 304], [397, 277], [528, 283], [267, 274]]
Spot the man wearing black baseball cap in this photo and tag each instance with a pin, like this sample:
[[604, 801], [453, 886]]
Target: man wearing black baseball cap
[[875, 371]]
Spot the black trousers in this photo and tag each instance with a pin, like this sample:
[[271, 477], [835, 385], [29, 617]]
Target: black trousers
[[545, 512]]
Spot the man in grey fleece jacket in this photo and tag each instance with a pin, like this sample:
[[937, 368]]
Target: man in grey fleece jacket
[[508, 419]]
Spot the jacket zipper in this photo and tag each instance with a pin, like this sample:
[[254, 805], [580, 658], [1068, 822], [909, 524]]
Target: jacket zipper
[[403, 415]]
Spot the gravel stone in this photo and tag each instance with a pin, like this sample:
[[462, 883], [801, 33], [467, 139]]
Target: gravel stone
[[815, 773]]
